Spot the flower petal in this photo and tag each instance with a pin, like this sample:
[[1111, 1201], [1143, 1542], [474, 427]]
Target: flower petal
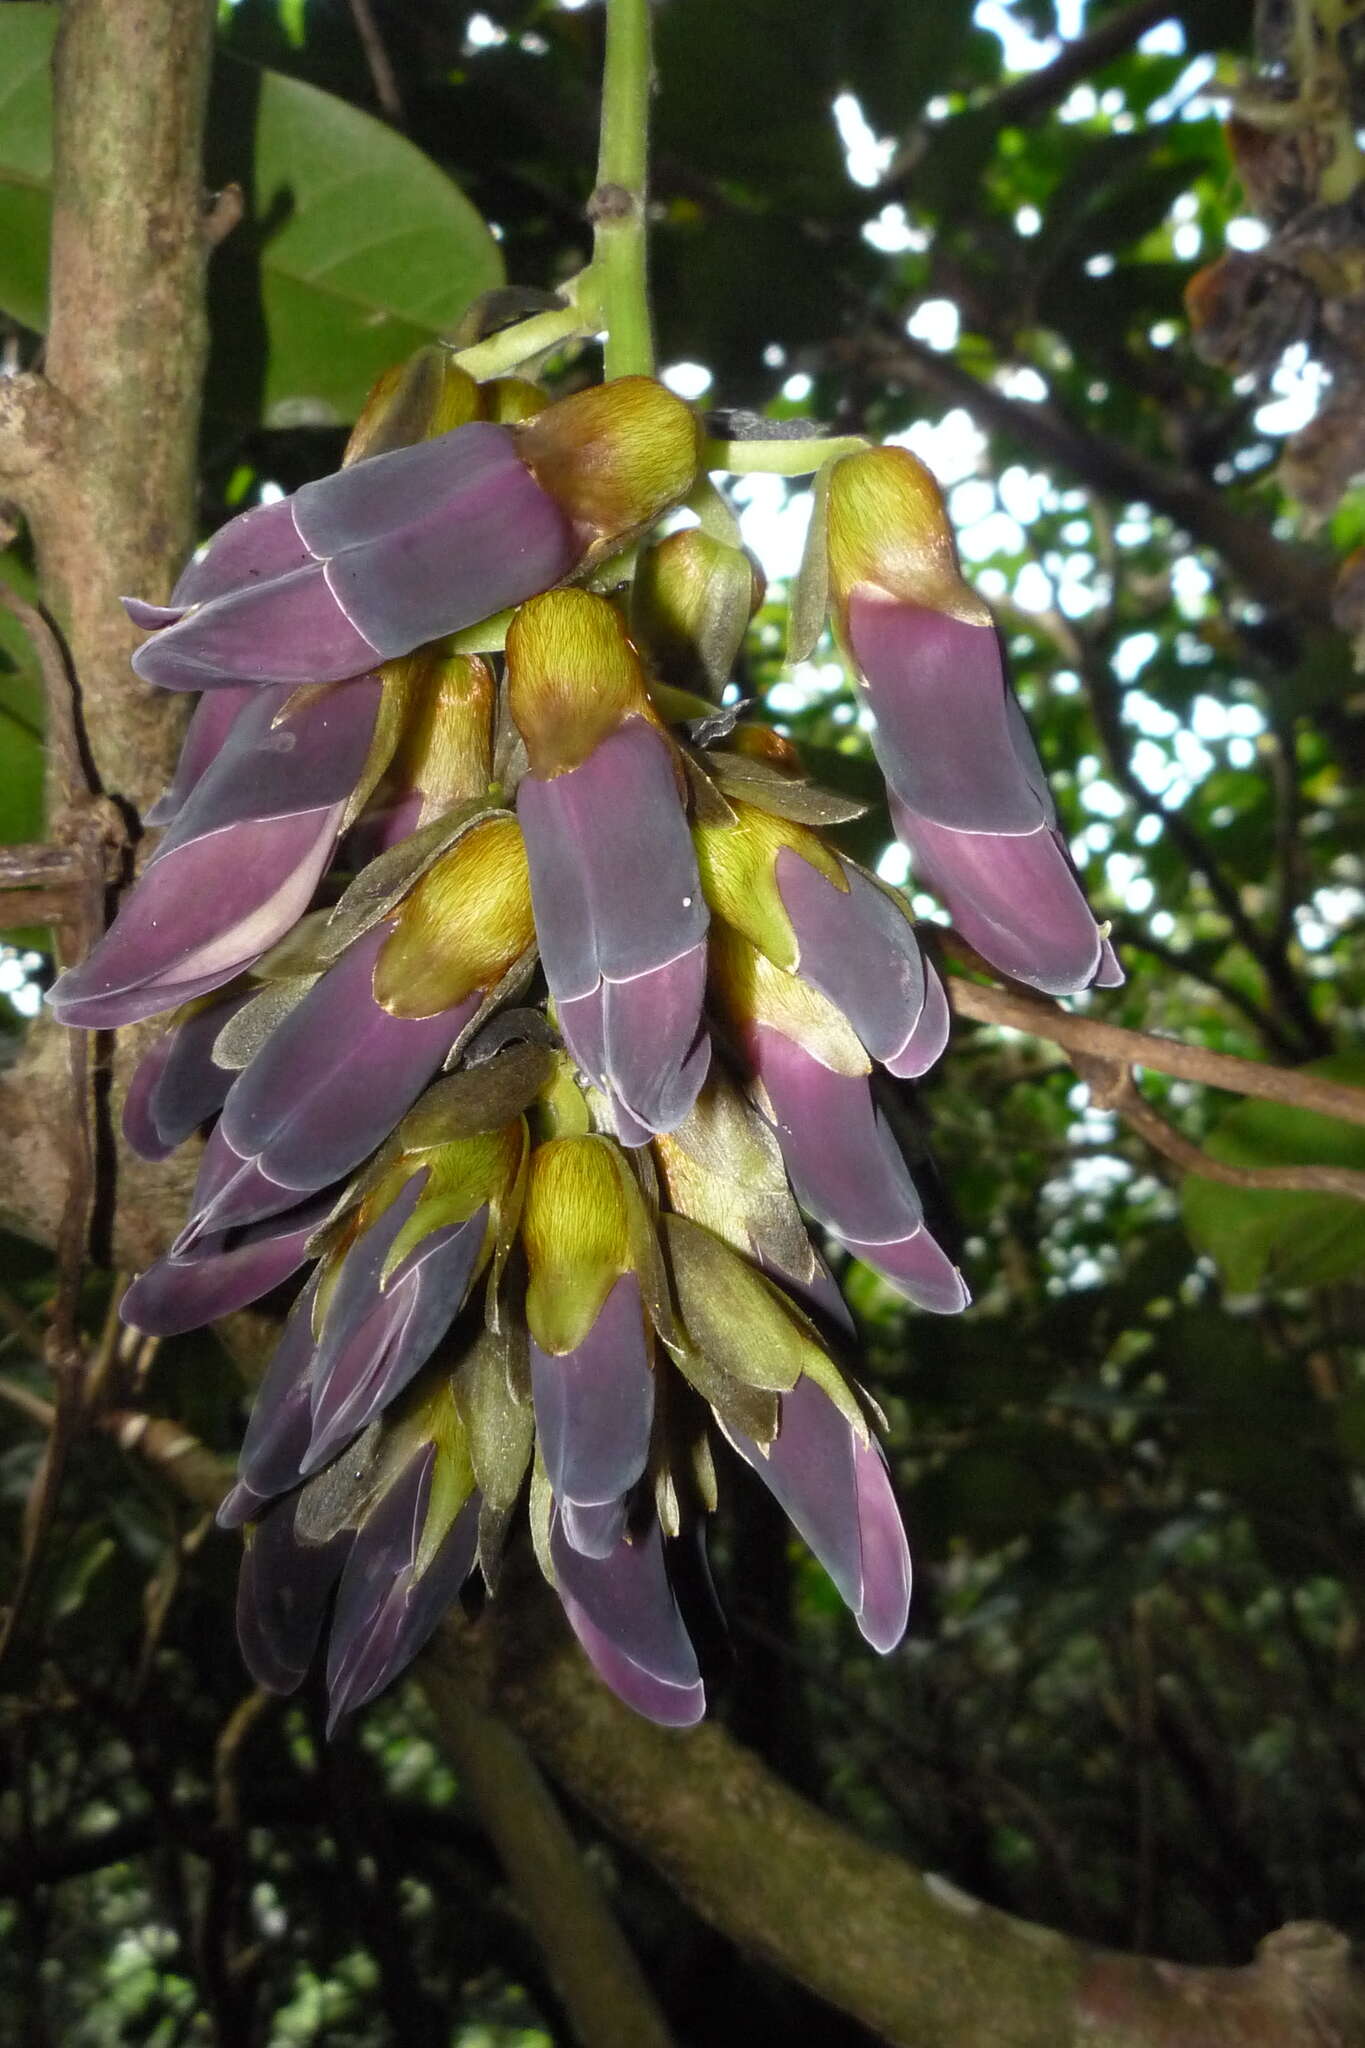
[[384, 1613], [845, 1165], [378, 1334], [624, 1613], [334, 1077], [175, 1295], [277, 1431], [288, 630], [176, 1085], [205, 737], [1016, 899], [595, 1405], [260, 543], [945, 737], [282, 1596], [860, 950]]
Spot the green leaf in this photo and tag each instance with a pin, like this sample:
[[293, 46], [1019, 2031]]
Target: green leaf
[[21, 719], [1260, 1237], [26, 32], [355, 249]]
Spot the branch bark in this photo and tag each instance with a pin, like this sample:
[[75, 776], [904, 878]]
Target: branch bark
[[1044, 1019], [100, 452], [590, 1963], [903, 1951]]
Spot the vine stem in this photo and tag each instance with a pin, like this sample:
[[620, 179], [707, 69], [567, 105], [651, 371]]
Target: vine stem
[[619, 205]]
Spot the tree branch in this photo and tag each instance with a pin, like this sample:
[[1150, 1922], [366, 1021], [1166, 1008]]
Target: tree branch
[[906, 1953], [1043, 1019], [1026, 97], [589, 1960], [101, 454], [1281, 576], [1112, 1086]]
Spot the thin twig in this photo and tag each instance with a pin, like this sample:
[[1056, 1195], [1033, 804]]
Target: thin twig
[[382, 74], [41, 866], [33, 1405], [1041, 1018], [63, 731], [1113, 1087]]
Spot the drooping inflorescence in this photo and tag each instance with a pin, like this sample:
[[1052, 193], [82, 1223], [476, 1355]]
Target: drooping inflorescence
[[530, 1005]]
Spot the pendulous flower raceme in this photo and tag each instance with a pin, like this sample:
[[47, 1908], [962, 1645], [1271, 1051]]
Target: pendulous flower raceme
[[535, 1017]]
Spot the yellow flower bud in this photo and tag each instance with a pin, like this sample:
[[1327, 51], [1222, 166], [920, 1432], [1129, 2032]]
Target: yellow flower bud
[[691, 603], [445, 749], [573, 677], [615, 455], [576, 1229], [414, 401], [461, 927], [888, 527], [507, 401], [738, 867], [461, 1177], [748, 989]]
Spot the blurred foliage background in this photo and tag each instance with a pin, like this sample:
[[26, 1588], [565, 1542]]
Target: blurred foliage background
[[1131, 1704]]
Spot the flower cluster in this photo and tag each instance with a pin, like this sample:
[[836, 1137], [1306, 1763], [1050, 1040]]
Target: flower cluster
[[533, 1010]]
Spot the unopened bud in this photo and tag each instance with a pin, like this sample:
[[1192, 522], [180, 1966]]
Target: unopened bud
[[576, 1229], [750, 991], [691, 603], [445, 749], [573, 678], [461, 927], [427, 395], [615, 456], [738, 867], [510, 400], [888, 527]]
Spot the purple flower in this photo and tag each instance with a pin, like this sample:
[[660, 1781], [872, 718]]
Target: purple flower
[[386, 1608], [860, 950], [205, 737], [381, 1326], [328, 1085], [970, 799], [282, 1595], [177, 1085], [220, 1274], [363, 565], [626, 1616], [281, 1419], [594, 1410], [409, 545], [833, 1485], [848, 1171], [969, 796], [239, 865], [622, 924]]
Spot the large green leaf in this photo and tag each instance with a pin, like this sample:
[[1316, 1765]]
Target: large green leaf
[[1260, 1237], [21, 718], [26, 33], [356, 248]]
